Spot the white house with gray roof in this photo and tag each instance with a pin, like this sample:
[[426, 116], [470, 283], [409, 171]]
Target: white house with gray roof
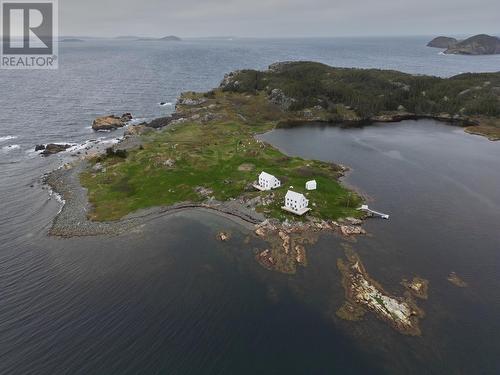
[[267, 182], [296, 203]]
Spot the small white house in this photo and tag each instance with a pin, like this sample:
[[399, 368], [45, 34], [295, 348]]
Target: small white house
[[311, 185], [267, 182], [296, 203]]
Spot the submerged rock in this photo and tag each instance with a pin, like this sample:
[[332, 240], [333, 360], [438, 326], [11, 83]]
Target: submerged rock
[[456, 280]]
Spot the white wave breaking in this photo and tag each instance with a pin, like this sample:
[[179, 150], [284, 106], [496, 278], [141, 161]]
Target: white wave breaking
[[7, 138]]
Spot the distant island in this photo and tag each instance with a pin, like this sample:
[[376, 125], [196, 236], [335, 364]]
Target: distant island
[[169, 38], [481, 44], [442, 42], [71, 40]]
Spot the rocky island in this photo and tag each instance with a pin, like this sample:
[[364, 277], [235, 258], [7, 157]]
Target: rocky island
[[443, 42], [481, 44], [363, 293], [168, 38]]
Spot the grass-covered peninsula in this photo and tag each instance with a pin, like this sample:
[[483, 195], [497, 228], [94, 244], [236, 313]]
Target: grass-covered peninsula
[[209, 150], [212, 153]]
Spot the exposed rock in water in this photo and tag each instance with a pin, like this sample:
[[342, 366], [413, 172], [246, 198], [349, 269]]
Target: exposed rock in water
[[351, 230], [456, 280], [223, 236], [52, 148], [418, 287], [361, 291], [111, 122], [477, 45], [443, 42], [39, 147]]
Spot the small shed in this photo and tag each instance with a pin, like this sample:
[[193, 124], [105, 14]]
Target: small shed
[[311, 185]]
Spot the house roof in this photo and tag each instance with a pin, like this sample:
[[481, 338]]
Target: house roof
[[293, 195], [266, 175]]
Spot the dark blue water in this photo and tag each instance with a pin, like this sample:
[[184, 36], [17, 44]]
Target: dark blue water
[[164, 301]]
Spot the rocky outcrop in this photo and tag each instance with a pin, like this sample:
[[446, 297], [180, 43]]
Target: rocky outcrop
[[281, 66], [163, 121], [278, 97], [138, 130], [363, 292], [443, 42], [223, 236], [190, 101], [477, 45], [230, 81], [52, 148], [111, 122]]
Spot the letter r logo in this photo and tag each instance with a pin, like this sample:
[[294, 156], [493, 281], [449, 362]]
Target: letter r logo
[[28, 28]]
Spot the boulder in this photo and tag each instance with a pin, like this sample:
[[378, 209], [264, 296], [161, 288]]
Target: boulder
[[111, 122], [349, 230], [39, 147], [53, 148]]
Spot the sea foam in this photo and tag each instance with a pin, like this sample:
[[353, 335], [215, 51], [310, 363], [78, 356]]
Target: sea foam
[[7, 138]]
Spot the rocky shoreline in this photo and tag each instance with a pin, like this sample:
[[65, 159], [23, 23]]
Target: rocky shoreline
[[73, 221]]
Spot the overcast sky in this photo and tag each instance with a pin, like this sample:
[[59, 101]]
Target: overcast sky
[[268, 18]]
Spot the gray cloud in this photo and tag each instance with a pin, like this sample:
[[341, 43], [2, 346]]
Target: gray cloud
[[267, 18]]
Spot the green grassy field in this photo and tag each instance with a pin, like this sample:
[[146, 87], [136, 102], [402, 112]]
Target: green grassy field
[[222, 156]]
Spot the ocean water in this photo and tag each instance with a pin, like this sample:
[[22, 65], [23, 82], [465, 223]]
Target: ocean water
[[165, 301]]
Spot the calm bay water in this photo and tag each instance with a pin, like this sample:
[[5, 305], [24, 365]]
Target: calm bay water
[[161, 300]]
